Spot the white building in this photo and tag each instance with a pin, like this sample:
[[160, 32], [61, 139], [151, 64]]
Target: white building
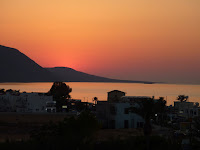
[[187, 109], [8, 101], [24, 102], [134, 99], [51, 106], [115, 113]]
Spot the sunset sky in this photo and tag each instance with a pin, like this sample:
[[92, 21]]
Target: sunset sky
[[152, 40]]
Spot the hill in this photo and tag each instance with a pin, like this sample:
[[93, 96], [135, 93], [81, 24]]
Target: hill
[[71, 75], [17, 67]]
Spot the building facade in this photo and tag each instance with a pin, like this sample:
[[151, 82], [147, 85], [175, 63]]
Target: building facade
[[25, 102], [115, 112], [187, 109]]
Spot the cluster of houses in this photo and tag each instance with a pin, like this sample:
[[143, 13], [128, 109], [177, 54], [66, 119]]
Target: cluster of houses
[[186, 109], [113, 113], [14, 101]]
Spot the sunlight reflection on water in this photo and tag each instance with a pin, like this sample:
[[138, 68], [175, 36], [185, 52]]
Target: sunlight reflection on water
[[86, 90]]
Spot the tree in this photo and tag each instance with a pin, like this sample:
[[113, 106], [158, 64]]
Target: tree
[[71, 133], [160, 109], [147, 108], [182, 98], [197, 123], [196, 126], [60, 92], [2, 91]]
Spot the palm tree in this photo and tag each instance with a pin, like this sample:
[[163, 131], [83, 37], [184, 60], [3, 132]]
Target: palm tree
[[147, 109], [182, 98], [160, 109]]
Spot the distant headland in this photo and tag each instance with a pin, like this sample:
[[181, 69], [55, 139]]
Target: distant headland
[[17, 67]]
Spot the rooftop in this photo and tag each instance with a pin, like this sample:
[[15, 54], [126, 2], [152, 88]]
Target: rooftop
[[116, 91], [141, 97]]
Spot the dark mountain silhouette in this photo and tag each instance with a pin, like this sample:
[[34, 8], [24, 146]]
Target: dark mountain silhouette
[[17, 67], [71, 75]]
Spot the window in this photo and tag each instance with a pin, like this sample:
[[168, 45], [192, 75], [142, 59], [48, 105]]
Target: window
[[126, 125], [195, 113], [191, 112], [132, 123], [140, 124], [113, 124], [112, 110], [126, 110], [48, 110]]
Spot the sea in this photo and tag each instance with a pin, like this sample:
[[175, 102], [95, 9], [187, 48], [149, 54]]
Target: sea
[[86, 91]]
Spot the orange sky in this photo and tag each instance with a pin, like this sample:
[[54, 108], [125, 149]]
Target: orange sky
[[157, 40]]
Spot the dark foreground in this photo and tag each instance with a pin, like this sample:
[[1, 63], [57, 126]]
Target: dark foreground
[[53, 132]]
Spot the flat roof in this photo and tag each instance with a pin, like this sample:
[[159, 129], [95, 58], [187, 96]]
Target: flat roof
[[135, 97]]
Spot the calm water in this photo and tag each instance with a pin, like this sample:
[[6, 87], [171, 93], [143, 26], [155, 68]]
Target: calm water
[[86, 91]]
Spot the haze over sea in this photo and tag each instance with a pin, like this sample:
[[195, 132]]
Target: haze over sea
[[87, 90]]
